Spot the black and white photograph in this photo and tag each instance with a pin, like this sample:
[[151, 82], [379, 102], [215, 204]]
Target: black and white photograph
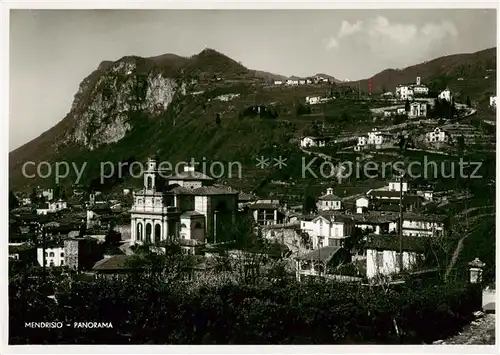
[[224, 176]]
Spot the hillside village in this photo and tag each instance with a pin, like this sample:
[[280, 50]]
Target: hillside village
[[360, 230], [369, 231]]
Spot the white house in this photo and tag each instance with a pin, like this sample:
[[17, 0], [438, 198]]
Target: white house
[[397, 185], [302, 82], [329, 201], [437, 135], [52, 207], [420, 90], [418, 109], [278, 82], [422, 225], [383, 257], [445, 95], [54, 256], [362, 204], [328, 229], [401, 111], [48, 194], [362, 141], [312, 100], [312, 142], [493, 101], [375, 137], [404, 92]]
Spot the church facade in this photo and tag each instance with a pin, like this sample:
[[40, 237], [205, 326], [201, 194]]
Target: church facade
[[187, 207]]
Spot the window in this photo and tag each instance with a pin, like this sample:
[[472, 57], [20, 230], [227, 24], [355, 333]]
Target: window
[[157, 233], [183, 225], [62, 255], [197, 225], [139, 231], [148, 232], [331, 242], [51, 254], [379, 259], [62, 262]]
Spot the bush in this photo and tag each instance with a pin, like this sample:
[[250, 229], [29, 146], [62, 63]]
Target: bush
[[145, 311]]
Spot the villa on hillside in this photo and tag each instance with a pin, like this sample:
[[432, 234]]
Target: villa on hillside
[[437, 135], [410, 91], [328, 228], [329, 201]]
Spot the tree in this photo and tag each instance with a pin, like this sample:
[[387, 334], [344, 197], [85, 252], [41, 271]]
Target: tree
[[309, 205]]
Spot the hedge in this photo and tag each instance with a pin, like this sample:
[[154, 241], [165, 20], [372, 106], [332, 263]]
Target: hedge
[[315, 312]]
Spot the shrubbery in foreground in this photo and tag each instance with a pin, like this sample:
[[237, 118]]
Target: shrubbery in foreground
[[143, 311]]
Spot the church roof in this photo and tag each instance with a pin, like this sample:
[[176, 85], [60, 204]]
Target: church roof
[[213, 190]]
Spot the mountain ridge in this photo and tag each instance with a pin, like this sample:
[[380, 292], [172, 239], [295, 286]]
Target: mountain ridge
[[123, 104]]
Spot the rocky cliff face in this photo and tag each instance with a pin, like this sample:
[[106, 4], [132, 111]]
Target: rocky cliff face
[[101, 109]]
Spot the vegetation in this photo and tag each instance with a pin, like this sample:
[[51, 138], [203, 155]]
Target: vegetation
[[154, 308]]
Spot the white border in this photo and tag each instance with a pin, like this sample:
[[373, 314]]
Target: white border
[[5, 6]]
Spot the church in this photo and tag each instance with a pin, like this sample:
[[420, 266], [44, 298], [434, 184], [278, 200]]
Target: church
[[187, 207]]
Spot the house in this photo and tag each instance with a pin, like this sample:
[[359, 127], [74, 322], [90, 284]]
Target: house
[[362, 204], [48, 194], [329, 201], [423, 225], [267, 212], [53, 207], [437, 135], [397, 185], [493, 101], [307, 142], [446, 95], [428, 195], [387, 95], [328, 228], [383, 194], [409, 91], [376, 222], [278, 82], [401, 111], [302, 82], [362, 142], [322, 261], [420, 91], [292, 82], [312, 100], [404, 92], [383, 254], [54, 255], [418, 109], [112, 265], [375, 137]]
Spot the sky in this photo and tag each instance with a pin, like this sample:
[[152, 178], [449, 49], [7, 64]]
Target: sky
[[52, 51]]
